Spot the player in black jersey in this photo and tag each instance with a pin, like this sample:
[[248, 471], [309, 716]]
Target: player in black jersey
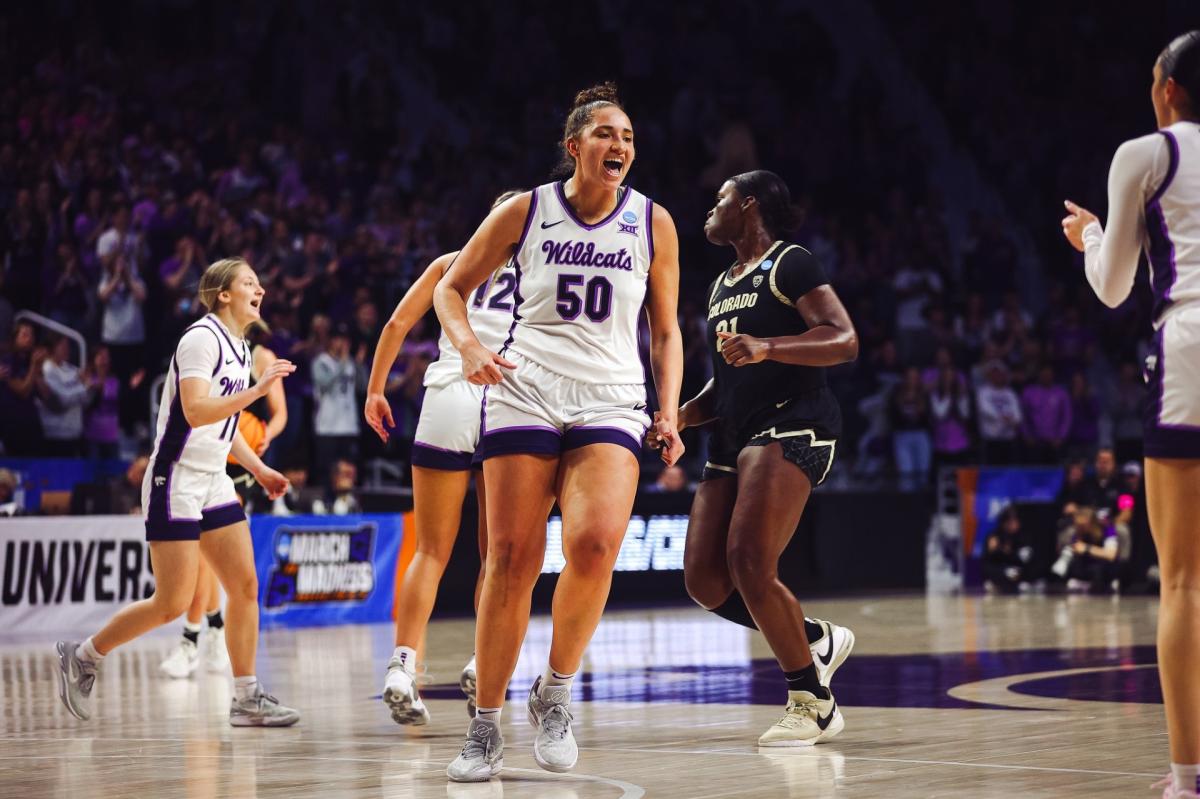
[[774, 323]]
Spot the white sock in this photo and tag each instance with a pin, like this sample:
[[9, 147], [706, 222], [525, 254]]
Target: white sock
[[87, 651], [244, 687], [407, 657], [488, 714], [1187, 777], [557, 678]]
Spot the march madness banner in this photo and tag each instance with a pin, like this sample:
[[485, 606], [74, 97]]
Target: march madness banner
[[69, 574], [319, 570]]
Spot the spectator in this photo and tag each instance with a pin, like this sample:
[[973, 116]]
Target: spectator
[[950, 409], [120, 242], [909, 416], [71, 296], [999, 417], [180, 274], [1085, 415], [9, 505], [61, 398], [101, 430], [1141, 571], [1076, 489], [125, 490], [336, 378], [915, 287], [1046, 408], [1089, 554], [122, 326], [339, 500], [1125, 409], [671, 480], [1104, 488], [1007, 556], [19, 369]]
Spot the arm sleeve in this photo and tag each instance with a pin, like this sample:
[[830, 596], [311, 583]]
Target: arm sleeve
[[1111, 256], [198, 354], [796, 273]]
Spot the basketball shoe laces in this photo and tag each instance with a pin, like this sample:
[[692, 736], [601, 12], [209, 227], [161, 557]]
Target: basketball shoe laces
[[556, 721], [797, 713], [87, 676]]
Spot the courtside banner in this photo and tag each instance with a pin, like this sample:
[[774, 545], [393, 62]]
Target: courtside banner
[[70, 573], [319, 570]]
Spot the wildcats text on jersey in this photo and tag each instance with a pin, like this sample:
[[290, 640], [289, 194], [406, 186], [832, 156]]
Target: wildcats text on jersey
[[578, 253]]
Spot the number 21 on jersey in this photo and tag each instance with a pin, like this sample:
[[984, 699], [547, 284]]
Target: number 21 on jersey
[[726, 327]]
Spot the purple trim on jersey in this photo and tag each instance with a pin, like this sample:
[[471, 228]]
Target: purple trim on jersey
[[221, 516], [650, 227], [562, 198], [578, 437], [525, 440], [533, 201], [240, 359], [220, 348], [518, 300], [1161, 250], [446, 460]]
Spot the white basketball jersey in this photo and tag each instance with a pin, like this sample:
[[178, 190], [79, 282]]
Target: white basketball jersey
[[490, 314], [207, 350], [580, 287], [1173, 221]]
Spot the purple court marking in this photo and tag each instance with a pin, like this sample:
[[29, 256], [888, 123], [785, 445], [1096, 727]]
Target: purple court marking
[[918, 680]]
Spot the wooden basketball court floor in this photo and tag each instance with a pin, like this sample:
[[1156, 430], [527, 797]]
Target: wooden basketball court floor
[[943, 697]]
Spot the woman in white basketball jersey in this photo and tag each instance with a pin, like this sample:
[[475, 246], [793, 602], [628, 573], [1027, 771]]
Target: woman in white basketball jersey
[[1154, 203], [189, 503], [446, 440], [564, 407]]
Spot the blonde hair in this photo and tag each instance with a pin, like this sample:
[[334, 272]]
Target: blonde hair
[[218, 277]]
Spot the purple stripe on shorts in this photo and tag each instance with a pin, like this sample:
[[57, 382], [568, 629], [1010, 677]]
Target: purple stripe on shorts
[[520, 441], [221, 516], [445, 460], [578, 437]]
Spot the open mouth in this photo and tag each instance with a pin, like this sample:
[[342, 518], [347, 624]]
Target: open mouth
[[255, 304], [613, 167]]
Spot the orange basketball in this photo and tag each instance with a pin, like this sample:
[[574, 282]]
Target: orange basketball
[[252, 429]]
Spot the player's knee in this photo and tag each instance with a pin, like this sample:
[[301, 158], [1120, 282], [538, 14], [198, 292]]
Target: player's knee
[[1181, 580], [171, 605], [750, 568], [592, 553], [512, 562], [706, 589], [244, 589]]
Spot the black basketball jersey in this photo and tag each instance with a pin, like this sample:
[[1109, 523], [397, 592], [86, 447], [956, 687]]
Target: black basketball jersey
[[761, 302]]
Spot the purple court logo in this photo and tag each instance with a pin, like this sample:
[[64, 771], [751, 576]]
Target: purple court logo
[[624, 228]]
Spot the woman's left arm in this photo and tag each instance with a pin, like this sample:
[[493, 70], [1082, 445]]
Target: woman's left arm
[[666, 342], [829, 340]]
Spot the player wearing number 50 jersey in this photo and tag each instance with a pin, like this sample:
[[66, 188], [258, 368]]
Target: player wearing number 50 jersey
[[190, 507], [564, 407], [446, 440]]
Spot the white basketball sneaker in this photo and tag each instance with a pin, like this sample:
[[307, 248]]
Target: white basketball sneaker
[[554, 747], [482, 756], [401, 695], [831, 651], [216, 656], [467, 683], [807, 721], [182, 661]]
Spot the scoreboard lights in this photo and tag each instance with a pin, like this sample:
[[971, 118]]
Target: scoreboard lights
[[651, 544]]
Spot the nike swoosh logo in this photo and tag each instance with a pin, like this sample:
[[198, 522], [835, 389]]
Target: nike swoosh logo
[[552, 224], [823, 721], [229, 362], [827, 658], [781, 404]]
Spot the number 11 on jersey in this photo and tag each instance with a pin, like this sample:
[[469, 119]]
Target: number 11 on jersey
[[726, 327]]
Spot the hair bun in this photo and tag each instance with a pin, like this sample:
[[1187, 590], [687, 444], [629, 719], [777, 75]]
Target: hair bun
[[600, 93]]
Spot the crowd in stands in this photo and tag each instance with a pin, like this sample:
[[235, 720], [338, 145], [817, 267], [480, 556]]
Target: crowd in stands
[[339, 159]]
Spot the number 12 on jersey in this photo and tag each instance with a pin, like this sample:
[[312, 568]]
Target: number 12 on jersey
[[726, 327]]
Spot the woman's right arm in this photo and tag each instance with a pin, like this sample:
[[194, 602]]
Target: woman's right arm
[[700, 409], [493, 243], [415, 304]]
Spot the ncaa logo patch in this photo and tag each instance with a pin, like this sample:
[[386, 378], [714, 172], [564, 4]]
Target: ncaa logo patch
[[629, 217], [757, 281], [766, 265]]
